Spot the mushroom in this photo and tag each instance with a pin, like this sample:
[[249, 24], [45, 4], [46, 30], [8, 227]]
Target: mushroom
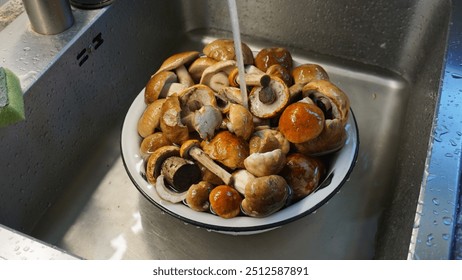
[[177, 63], [225, 201], [301, 121], [303, 174], [266, 140], [227, 96], [198, 66], [150, 119], [159, 85], [199, 110], [152, 143], [170, 121], [223, 49], [228, 149], [165, 193], [216, 75], [180, 174], [264, 196], [155, 160], [281, 72], [304, 74], [269, 56], [197, 196], [252, 76], [269, 99], [264, 164], [241, 178], [240, 121]]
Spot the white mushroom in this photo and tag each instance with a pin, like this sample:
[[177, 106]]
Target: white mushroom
[[206, 120], [264, 164]]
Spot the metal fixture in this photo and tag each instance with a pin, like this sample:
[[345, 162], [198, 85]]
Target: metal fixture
[[49, 17]]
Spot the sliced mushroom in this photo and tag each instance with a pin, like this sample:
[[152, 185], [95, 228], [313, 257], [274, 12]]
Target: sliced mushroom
[[269, 56], [264, 164], [170, 121], [223, 49], [153, 142], [216, 75], [198, 66], [240, 121], [228, 149], [303, 74], [225, 201], [158, 86], [269, 99], [303, 174], [301, 121], [177, 63], [150, 119], [197, 197], [264, 196]]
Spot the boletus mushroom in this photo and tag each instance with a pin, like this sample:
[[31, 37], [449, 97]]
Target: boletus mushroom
[[225, 201]]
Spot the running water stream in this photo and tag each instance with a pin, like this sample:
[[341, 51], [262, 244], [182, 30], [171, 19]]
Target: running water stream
[[238, 50]]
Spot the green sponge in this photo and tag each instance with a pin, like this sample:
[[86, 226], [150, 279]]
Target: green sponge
[[11, 100]]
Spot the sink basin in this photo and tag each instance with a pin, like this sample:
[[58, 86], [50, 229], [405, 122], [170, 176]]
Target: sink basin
[[62, 179]]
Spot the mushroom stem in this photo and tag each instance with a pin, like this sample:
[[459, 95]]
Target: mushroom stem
[[266, 94], [199, 155]]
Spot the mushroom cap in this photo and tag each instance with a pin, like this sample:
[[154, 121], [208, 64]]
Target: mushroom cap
[[264, 164], [197, 196], [227, 148], [216, 76], [170, 121], [301, 122], [268, 139], [155, 88], [177, 60], [269, 56], [155, 160], [223, 49], [152, 143], [262, 110], [305, 73], [150, 119], [206, 120], [198, 66], [339, 100], [227, 96], [331, 139], [225, 201], [265, 195], [240, 121], [281, 72], [192, 99], [303, 174]]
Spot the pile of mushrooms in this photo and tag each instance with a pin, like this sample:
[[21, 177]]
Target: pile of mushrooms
[[204, 148]]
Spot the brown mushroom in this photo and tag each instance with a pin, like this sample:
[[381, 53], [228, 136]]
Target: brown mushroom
[[280, 72], [150, 119], [225, 201], [301, 121], [303, 174], [223, 49], [177, 63], [197, 197], [158, 86], [269, 99], [240, 121], [264, 196], [198, 66], [228, 149], [153, 142], [264, 164], [227, 96], [269, 56], [241, 178], [266, 140], [155, 160], [216, 75], [303, 74], [170, 121]]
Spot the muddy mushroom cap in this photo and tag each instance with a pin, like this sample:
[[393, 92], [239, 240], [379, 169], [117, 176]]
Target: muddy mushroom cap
[[197, 197], [265, 195], [223, 49], [225, 201], [227, 148], [157, 84], [266, 163], [301, 121], [303, 174], [269, 56], [263, 109]]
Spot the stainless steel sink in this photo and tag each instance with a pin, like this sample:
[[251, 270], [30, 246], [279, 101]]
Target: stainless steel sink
[[62, 180]]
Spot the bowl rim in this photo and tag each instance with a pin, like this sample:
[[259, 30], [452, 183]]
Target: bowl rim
[[241, 229]]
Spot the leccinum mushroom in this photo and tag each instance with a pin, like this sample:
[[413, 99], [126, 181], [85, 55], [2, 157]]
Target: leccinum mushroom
[[228, 149], [265, 195]]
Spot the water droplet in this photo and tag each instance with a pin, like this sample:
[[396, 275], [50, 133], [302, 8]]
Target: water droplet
[[447, 220], [453, 143], [429, 241], [456, 75], [435, 212], [445, 236], [436, 201], [448, 155]]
